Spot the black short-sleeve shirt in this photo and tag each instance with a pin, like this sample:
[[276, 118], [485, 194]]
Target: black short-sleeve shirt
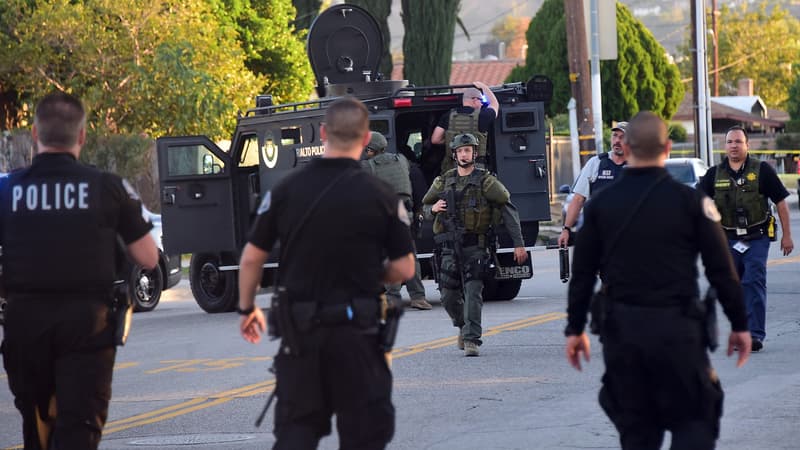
[[338, 253], [769, 184], [485, 118]]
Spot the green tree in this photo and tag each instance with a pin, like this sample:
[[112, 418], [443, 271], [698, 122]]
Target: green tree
[[793, 102], [119, 56], [641, 78], [380, 10], [273, 49], [758, 42], [428, 40]]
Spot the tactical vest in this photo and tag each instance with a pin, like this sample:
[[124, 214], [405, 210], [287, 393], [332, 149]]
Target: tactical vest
[[393, 169], [475, 212], [607, 172], [730, 195], [55, 236], [460, 123]]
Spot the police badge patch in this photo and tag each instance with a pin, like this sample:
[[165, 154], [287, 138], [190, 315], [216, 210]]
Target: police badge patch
[[265, 202], [710, 210], [402, 213]]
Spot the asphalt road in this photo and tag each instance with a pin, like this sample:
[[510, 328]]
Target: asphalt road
[[186, 378]]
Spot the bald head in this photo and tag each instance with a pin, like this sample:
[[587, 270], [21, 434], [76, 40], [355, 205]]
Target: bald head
[[646, 136]]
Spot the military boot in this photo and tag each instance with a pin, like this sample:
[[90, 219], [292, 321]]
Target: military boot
[[471, 349], [420, 303], [460, 341]]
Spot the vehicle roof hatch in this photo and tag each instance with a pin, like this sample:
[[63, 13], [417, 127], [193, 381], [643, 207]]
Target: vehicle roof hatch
[[344, 45]]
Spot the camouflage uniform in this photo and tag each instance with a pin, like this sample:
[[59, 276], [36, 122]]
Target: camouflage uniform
[[481, 201]]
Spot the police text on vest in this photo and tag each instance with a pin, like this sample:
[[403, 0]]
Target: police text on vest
[[50, 196]]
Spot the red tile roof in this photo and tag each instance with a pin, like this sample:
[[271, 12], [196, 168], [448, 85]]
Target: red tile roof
[[492, 72]]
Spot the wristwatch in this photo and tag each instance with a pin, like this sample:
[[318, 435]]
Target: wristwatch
[[246, 312], [567, 228]]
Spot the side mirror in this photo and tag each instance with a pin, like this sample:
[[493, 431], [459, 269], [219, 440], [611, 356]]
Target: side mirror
[[564, 189], [208, 164]]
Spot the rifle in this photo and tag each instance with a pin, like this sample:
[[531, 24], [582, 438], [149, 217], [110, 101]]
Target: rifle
[[454, 230]]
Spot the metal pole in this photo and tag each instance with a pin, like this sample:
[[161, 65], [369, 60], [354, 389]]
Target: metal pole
[[597, 103], [703, 132], [573, 138]]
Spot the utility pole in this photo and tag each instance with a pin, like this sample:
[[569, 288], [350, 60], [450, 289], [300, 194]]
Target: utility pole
[[700, 100], [580, 81], [715, 81]]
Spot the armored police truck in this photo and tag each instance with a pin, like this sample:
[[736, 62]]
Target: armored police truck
[[209, 196]]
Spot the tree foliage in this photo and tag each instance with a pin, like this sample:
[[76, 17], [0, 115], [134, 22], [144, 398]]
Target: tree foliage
[[755, 41], [380, 10], [307, 11], [641, 78], [167, 67], [428, 40], [793, 102]]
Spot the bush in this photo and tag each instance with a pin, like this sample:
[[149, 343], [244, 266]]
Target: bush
[[788, 141], [677, 132]]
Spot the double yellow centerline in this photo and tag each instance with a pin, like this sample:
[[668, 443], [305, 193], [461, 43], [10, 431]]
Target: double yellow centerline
[[200, 403]]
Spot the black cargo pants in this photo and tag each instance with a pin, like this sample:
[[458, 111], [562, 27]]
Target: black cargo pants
[[59, 358], [341, 371], [658, 378]]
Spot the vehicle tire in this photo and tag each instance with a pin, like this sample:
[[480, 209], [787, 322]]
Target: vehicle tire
[[501, 290], [214, 291], [145, 287]]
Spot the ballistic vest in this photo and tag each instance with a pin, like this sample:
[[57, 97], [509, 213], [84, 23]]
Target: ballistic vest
[[464, 123], [607, 172], [731, 194], [476, 196], [393, 169], [55, 235]]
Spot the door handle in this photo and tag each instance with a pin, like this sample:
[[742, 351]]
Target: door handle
[[539, 171], [168, 195]]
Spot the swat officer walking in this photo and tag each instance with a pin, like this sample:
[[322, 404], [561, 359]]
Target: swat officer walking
[[648, 314], [59, 222], [394, 169], [466, 202], [343, 234]]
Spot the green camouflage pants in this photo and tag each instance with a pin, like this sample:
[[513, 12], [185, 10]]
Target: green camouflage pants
[[463, 305]]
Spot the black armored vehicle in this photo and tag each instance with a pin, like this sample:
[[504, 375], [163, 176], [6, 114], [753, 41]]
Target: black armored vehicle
[[209, 196]]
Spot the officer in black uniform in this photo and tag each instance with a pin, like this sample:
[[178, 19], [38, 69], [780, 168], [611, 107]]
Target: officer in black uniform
[[658, 375], [343, 233], [59, 223]]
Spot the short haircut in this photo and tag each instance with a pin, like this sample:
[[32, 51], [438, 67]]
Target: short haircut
[[346, 122], [470, 93], [737, 128], [646, 135], [59, 118]]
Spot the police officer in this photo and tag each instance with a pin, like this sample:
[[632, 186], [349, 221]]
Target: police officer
[[461, 228], [658, 375], [394, 169], [352, 240], [59, 222], [600, 171], [740, 186], [470, 118]]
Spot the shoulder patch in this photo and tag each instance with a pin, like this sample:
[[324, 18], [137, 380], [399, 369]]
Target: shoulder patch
[[710, 210], [402, 213], [265, 203]]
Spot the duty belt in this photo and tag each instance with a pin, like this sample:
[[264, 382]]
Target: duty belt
[[467, 240], [361, 312]]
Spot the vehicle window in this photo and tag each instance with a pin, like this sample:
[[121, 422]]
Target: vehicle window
[[249, 153], [681, 173], [193, 160], [381, 126], [291, 136], [414, 142]]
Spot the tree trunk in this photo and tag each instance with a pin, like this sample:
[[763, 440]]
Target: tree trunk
[[380, 10]]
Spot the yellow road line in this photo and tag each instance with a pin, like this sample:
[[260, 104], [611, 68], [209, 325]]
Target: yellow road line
[[778, 262], [200, 403]]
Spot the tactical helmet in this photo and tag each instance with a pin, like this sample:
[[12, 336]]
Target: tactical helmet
[[377, 143], [463, 139]]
